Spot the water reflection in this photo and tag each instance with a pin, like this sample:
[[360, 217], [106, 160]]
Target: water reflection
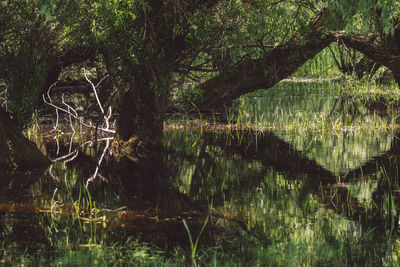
[[339, 132], [289, 192]]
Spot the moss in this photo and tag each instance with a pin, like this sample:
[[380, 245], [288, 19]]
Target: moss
[[130, 149]]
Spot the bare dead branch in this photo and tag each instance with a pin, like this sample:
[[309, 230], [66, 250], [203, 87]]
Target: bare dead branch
[[107, 116], [72, 113], [94, 90], [73, 154], [4, 97]]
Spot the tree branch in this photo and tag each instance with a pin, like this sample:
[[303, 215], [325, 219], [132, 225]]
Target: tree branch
[[261, 73], [264, 72]]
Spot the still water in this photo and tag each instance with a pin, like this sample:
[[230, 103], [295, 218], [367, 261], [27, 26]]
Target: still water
[[316, 182]]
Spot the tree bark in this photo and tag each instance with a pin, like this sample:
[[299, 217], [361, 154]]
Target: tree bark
[[384, 50], [16, 152], [140, 123], [143, 104], [139, 116], [262, 73]]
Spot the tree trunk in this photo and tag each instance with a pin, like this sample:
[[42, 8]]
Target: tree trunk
[[283, 61], [142, 106], [141, 117], [262, 73], [16, 152], [138, 117], [366, 66], [383, 50]]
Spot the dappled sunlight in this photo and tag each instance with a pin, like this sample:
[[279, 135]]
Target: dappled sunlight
[[201, 133]]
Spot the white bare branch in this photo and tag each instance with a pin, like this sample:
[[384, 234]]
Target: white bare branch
[[68, 106], [109, 112], [95, 91], [4, 96], [90, 142], [72, 114], [50, 102]]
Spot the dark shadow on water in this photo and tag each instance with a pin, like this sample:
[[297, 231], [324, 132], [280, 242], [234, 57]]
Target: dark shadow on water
[[14, 184], [146, 183], [233, 171]]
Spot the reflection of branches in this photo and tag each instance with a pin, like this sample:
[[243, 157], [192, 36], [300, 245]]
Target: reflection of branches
[[68, 157], [72, 155], [52, 175], [73, 115], [91, 179]]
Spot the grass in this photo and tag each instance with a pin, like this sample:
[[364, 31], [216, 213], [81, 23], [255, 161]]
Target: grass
[[193, 245], [130, 252], [293, 107], [335, 107], [264, 217], [320, 241], [321, 66]]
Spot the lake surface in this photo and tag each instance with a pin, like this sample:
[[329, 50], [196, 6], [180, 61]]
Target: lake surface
[[316, 182]]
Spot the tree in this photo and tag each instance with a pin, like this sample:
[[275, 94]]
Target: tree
[[171, 38], [33, 52], [225, 48], [16, 152], [371, 27], [34, 49]]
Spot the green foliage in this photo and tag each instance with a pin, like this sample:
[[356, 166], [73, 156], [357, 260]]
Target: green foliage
[[321, 66], [47, 8], [366, 16], [186, 97], [151, 41], [193, 245]]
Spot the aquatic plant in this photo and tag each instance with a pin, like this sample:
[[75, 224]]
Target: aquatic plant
[[193, 245]]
